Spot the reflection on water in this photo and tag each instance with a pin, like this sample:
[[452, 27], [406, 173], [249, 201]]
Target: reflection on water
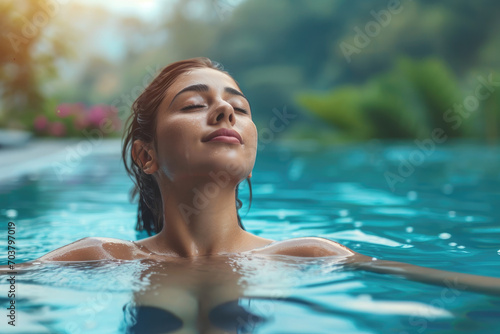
[[233, 294]]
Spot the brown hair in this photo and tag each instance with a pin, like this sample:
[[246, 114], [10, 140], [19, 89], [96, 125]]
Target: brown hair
[[141, 124]]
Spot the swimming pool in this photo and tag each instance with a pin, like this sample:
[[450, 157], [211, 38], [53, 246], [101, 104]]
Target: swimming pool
[[444, 215]]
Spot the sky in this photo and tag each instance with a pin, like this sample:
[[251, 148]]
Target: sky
[[150, 10], [145, 9], [104, 38], [110, 42]]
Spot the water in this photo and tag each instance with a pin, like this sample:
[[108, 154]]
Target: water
[[444, 215]]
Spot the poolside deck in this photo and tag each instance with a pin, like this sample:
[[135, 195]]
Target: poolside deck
[[36, 154]]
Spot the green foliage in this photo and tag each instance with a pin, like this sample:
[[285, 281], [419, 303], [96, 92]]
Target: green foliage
[[408, 101], [27, 57], [491, 111], [342, 108], [386, 102]]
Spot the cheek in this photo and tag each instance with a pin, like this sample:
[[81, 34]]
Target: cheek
[[175, 140], [252, 136], [251, 141], [255, 137]]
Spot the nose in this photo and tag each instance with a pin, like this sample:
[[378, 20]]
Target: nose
[[223, 112]]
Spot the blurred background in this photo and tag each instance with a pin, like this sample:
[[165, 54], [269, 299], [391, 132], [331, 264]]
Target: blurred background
[[330, 71]]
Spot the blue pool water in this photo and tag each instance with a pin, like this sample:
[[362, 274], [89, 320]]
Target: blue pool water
[[444, 215]]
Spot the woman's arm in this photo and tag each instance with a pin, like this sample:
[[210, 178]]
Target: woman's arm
[[455, 282], [85, 249], [321, 247]]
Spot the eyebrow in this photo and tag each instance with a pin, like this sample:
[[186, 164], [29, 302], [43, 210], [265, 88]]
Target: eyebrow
[[204, 88]]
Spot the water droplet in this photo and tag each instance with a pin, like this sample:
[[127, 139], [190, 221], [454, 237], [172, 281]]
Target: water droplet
[[498, 252], [469, 218], [460, 247], [358, 224], [452, 244], [409, 229], [11, 213], [343, 213], [452, 214], [444, 236], [375, 259], [408, 241], [412, 195]]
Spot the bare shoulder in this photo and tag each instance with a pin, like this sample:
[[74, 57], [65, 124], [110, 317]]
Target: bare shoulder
[[306, 247], [93, 248]]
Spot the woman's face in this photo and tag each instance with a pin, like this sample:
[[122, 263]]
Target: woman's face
[[196, 104]]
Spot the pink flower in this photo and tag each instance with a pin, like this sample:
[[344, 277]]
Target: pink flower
[[41, 123], [57, 129], [97, 114], [64, 110]]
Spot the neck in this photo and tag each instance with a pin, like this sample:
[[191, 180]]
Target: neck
[[199, 220]]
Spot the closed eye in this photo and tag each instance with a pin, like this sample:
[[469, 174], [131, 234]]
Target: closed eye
[[242, 110], [194, 106]]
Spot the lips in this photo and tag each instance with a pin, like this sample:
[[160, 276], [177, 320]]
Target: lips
[[223, 132]]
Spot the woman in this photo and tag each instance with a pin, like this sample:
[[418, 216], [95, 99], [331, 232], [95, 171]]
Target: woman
[[189, 142]]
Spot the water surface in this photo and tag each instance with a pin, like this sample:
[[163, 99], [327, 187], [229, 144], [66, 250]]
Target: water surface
[[444, 215]]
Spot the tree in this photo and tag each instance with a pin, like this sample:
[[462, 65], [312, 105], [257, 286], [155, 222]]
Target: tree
[[27, 56]]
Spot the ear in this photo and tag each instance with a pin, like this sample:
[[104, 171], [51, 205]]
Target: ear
[[144, 156]]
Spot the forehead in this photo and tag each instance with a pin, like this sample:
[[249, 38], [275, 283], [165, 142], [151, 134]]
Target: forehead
[[214, 79]]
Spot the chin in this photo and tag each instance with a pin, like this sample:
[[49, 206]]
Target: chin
[[234, 170]]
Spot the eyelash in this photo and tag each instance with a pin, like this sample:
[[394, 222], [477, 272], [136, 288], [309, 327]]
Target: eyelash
[[194, 106]]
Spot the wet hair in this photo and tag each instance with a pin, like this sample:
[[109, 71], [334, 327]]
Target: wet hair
[[141, 124]]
